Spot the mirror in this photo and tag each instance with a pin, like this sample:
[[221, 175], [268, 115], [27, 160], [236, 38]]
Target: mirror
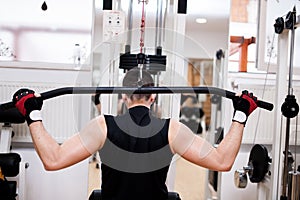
[[45, 31]]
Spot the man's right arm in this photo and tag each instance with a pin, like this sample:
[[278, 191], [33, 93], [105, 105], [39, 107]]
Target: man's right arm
[[200, 152]]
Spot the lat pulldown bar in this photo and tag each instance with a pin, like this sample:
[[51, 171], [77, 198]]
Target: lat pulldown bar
[[139, 90]]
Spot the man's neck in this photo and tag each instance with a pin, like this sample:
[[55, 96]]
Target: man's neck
[[138, 104]]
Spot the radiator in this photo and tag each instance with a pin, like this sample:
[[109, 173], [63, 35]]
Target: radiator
[[60, 114]]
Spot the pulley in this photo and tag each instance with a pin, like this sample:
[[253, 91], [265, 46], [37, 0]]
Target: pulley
[[290, 107], [279, 25]]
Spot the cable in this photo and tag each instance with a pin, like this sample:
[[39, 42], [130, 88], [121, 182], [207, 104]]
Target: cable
[[142, 26], [264, 88]]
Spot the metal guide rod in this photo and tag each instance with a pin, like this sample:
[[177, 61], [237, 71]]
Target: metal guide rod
[[285, 165], [129, 22], [295, 146], [140, 90], [292, 46], [158, 23]]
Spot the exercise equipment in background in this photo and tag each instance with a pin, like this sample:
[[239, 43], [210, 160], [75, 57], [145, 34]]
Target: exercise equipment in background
[[257, 167], [12, 170], [289, 109]]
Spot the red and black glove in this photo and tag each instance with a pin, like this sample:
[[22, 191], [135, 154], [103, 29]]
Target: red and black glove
[[28, 104], [243, 105]]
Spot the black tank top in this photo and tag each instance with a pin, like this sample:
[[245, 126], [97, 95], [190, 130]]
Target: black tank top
[[135, 157]]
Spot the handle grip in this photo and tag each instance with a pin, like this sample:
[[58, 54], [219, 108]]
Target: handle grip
[[261, 104], [265, 105]]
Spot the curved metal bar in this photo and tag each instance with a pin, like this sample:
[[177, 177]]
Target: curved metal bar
[[141, 90], [136, 90]]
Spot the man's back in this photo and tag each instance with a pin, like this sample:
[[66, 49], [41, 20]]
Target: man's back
[[136, 156]]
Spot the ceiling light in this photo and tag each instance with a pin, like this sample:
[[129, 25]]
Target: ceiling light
[[201, 20]]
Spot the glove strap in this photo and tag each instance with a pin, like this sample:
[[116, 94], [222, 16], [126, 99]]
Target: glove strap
[[34, 116], [239, 116]]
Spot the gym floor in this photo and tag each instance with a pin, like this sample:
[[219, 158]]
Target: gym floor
[[94, 176]]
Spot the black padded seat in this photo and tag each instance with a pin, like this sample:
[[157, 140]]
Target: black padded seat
[[96, 195], [9, 163]]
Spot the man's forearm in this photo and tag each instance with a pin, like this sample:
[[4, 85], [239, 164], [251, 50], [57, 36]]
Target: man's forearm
[[46, 147], [230, 145]]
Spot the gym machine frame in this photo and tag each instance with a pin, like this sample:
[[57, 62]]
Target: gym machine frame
[[289, 109]]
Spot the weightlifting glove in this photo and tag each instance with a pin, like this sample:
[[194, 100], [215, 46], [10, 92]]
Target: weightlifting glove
[[243, 105], [28, 104]]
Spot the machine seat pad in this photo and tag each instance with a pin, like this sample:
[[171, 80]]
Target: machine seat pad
[[10, 164], [96, 195]]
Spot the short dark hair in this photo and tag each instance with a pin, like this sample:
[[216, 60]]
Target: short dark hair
[[138, 78]]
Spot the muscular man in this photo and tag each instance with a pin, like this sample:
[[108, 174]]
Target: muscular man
[[135, 148]]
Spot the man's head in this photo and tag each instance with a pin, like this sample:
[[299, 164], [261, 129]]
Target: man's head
[[138, 78]]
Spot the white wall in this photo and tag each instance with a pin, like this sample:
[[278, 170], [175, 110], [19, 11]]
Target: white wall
[[203, 44]]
